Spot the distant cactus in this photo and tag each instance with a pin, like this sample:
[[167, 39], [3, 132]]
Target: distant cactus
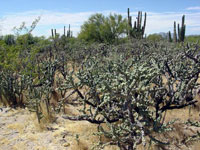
[[53, 33], [169, 37], [129, 22], [69, 32], [181, 31], [137, 31], [64, 30], [175, 36]]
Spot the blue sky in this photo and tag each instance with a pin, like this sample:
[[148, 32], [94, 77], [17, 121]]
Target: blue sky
[[57, 13]]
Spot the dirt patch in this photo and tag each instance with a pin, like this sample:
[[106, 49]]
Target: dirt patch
[[19, 130]]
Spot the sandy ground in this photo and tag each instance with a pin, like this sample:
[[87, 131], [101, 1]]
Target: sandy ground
[[19, 130]]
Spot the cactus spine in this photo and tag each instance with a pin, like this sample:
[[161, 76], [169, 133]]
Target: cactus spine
[[136, 31]]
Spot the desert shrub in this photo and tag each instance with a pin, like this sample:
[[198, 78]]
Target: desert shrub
[[9, 39], [155, 37], [99, 28], [193, 39]]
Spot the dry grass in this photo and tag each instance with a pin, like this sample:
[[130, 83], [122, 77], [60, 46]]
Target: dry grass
[[3, 101], [16, 126], [82, 135], [4, 141], [19, 146]]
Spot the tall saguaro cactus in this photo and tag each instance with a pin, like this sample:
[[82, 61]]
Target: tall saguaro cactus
[[180, 36], [181, 31], [175, 36], [136, 31], [169, 37], [129, 22], [69, 32], [53, 33]]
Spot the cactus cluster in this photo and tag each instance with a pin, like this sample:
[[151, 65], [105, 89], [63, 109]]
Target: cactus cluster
[[124, 83], [136, 31], [120, 91], [69, 32], [180, 36]]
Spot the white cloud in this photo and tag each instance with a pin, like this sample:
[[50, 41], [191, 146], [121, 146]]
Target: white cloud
[[48, 19], [163, 22], [156, 22], [193, 8]]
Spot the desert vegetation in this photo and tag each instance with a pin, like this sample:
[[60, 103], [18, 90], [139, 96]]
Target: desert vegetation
[[117, 78]]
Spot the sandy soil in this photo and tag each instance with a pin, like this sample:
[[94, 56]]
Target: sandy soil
[[19, 130]]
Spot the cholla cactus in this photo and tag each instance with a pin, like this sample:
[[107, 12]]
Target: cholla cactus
[[12, 87], [131, 97]]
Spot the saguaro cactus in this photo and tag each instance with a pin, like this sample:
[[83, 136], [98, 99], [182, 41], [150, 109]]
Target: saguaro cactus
[[64, 30], [68, 32], [169, 37], [175, 36], [137, 31], [129, 22], [53, 33], [181, 31]]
